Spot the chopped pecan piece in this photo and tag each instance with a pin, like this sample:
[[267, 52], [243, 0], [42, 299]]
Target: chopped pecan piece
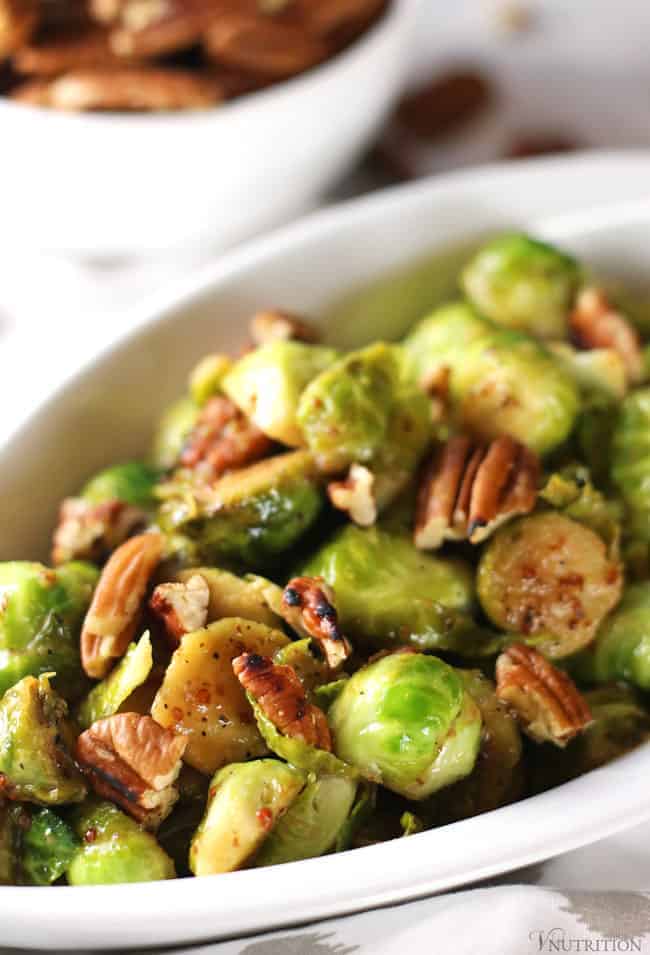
[[595, 323], [18, 20], [276, 326], [115, 609], [91, 531], [281, 697], [182, 607], [262, 45], [355, 495], [67, 51], [545, 700], [133, 761], [468, 490], [308, 607], [223, 439]]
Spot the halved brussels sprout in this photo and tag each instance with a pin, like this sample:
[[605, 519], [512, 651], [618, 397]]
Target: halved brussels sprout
[[35, 765], [550, 579], [173, 430], [132, 483], [107, 697], [207, 377], [267, 383], [312, 823], [599, 372], [407, 722], [522, 283], [388, 593], [630, 461], [246, 800], [48, 846], [251, 597], [306, 659], [41, 612], [250, 515], [202, 699], [114, 849], [500, 381], [497, 777]]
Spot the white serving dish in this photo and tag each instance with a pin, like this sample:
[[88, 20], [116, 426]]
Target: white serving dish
[[106, 412], [116, 185]]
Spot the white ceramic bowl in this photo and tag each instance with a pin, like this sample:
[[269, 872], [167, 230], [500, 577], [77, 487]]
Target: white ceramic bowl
[[106, 413], [111, 185]]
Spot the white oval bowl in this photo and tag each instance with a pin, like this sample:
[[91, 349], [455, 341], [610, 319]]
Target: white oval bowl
[[141, 184], [106, 413]]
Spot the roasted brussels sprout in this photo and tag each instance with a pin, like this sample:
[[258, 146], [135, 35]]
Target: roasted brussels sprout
[[201, 698], [114, 849], [388, 593], [621, 650], [246, 800], [251, 597], [267, 383], [249, 515], [48, 846], [500, 381], [106, 697], [207, 377], [407, 722], [630, 461], [550, 579], [41, 611], [522, 283], [35, 765], [173, 430], [132, 483]]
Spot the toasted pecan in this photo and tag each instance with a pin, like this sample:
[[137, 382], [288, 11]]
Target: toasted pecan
[[595, 323], [273, 325], [65, 51], [467, 490], [18, 19], [223, 439], [546, 702], [281, 696], [133, 761], [182, 607], [355, 495], [308, 607], [91, 531], [115, 609], [262, 45]]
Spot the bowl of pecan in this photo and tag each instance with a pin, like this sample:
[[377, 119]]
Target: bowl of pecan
[[352, 569], [138, 126]]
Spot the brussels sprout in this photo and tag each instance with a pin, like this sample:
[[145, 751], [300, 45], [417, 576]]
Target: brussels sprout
[[311, 825], [34, 763], [114, 849], [599, 372], [173, 429], [207, 377], [267, 383], [251, 597], [522, 283], [306, 659], [389, 593], [497, 777], [345, 412], [47, 848], [41, 612], [246, 800], [551, 579], [500, 382], [202, 699], [407, 722], [132, 483], [249, 515], [107, 697], [630, 460]]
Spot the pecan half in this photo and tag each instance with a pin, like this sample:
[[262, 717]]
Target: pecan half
[[67, 51], [155, 27], [467, 490], [546, 702], [18, 20], [115, 609], [182, 607], [355, 495], [308, 607], [91, 531], [595, 323], [275, 326], [133, 761], [223, 439], [281, 696], [262, 45]]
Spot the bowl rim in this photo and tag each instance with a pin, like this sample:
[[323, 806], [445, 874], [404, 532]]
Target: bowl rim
[[385, 873], [273, 96]]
